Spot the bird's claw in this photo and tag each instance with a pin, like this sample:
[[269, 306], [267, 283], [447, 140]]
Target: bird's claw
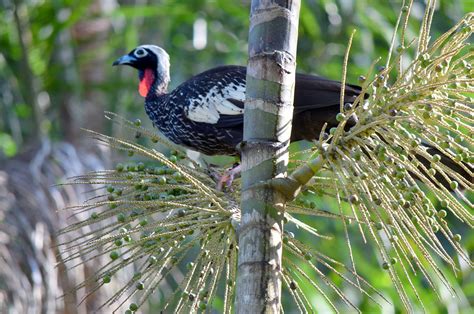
[[227, 178]]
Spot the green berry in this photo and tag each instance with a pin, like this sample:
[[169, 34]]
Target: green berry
[[385, 266], [118, 242], [177, 176], [94, 215], [400, 174], [106, 279], [114, 255], [354, 199], [140, 285], [137, 122], [457, 237], [121, 217], [435, 158], [173, 158], [162, 180], [442, 213], [133, 307], [203, 294], [308, 256], [453, 185], [119, 167], [340, 117]]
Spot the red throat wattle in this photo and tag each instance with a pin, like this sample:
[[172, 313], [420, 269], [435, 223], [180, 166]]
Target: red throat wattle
[[146, 82]]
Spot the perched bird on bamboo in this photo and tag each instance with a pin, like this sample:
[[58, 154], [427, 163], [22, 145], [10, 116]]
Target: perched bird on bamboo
[[205, 113]]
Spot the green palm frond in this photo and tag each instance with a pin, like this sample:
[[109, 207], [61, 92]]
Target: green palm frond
[[154, 215], [412, 141]]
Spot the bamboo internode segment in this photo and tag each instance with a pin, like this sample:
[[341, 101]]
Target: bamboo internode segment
[[267, 130]]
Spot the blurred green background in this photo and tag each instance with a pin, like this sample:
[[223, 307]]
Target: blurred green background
[[56, 77]]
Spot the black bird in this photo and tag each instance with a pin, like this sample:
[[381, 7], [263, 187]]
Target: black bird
[[205, 113]]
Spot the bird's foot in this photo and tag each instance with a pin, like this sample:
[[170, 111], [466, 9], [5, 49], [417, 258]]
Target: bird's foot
[[228, 177]]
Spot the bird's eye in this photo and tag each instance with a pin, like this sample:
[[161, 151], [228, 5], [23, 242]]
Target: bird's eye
[[140, 53]]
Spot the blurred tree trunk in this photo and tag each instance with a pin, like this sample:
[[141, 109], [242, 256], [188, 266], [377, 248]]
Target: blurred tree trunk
[[267, 128], [32, 275], [26, 81], [90, 35]]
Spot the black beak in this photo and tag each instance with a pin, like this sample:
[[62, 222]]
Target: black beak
[[124, 60]]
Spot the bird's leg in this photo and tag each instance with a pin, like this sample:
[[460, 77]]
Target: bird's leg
[[228, 177], [212, 171]]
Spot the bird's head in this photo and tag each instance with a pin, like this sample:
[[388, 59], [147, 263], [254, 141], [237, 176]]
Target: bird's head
[[153, 64]]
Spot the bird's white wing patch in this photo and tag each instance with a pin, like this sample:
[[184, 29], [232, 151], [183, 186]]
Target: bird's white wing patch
[[226, 107], [207, 108], [202, 113]]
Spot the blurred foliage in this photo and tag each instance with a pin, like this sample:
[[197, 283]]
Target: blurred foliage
[[41, 61], [41, 55]]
